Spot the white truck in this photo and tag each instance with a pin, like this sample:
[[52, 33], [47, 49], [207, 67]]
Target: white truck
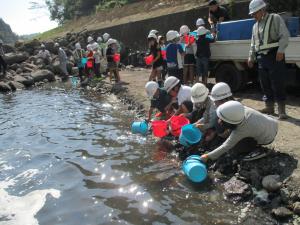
[[229, 63]]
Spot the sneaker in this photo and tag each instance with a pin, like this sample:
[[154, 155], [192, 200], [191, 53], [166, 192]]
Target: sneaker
[[256, 154]]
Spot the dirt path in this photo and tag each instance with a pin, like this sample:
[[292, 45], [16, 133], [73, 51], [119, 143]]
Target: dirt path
[[288, 138]]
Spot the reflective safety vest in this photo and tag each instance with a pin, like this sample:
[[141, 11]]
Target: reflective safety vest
[[264, 42]]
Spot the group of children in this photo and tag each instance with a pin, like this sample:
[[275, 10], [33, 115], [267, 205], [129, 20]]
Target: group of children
[[186, 55], [88, 62]]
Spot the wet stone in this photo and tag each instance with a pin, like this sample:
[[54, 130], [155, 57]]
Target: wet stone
[[271, 183], [237, 190], [296, 207], [282, 212]]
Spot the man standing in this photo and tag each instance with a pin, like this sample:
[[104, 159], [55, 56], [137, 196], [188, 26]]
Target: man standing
[[63, 59], [44, 54], [217, 14], [270, 38], [2, 61]]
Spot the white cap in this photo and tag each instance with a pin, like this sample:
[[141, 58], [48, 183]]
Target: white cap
[[220, 91], [153, 32], [90, 39], [43, 46], [199, 93], [111, 41], [231, 112], [170, 83], [202, 30], [200, 22], [151, 88], [152, 35], [256, 5], [184, 29], [170, 35], [105, 36], [99, 39], [56, 45], [77, 46]]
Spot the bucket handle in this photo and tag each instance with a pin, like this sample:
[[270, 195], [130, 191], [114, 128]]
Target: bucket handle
[[197, 159]]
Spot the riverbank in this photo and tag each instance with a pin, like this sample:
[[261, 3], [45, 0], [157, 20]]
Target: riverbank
[[283, 196]]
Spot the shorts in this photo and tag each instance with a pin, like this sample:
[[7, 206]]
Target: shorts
[[112, 65], [202, 66], [189, 59]]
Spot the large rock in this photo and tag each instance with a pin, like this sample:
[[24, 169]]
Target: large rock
[[41, 75], [25, 79], [12, 58], [296, 207], [236, 189], [282, 212], [8, 48], [4, 87], [50, 46], [271, 183], [16, 85]]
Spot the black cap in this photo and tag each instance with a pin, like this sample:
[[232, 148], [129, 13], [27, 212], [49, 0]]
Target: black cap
[[213, 2]]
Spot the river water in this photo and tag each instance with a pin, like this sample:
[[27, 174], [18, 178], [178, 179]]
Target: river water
[[69, 158]]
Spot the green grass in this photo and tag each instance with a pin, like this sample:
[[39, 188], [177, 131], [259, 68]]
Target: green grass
[[51, 33]]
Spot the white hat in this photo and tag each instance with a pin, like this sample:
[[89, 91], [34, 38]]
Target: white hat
[[43, 46], [151, 88], [111, 41], [152, 35], [90, 39], [256, 5], [171, 35], [170, 83], [99, 39], [200, 22], [153, 32], [77, 46], [105, 36], [220, 91], [56, 45], [202, 30], [232, 112], [184, 29], [199, 93]]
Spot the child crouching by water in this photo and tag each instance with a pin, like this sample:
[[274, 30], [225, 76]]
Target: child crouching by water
[[112, 66]]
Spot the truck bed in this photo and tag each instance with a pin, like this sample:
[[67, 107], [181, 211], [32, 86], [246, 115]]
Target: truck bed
[[238, 50]]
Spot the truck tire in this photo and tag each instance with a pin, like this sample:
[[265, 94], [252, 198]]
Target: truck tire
[[229, 74]]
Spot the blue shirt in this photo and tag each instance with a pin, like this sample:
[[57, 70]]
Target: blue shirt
[[172, 53]]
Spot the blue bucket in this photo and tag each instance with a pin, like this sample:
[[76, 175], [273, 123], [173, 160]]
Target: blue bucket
[[139, 127], [194, 169], [74, 81], [190, 135], [84, 60]]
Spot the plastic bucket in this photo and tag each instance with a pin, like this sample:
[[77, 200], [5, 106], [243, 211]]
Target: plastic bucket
[[194, 169], [117, 57], [189, 39], [74, 81], [84, 61], [139, 128], [89, 64], [190, 135], [149, 59], [164, 54], [177, 122], [160, 128]]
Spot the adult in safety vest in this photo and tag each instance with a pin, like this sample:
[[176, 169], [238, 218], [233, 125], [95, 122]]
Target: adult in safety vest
[[270, 38]]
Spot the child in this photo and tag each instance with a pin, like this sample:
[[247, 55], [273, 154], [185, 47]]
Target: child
[[90, 63], [174, 55], [189, 58], [162, 44], [203, 53], [97, 56], [78, 55], [157, 64], [112, 66]]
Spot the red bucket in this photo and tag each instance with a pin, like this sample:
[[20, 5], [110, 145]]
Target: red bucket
[[164, 54], [148, 60], [89, 64], [177, 122], [160, 128], [117, 57], [189, 39]]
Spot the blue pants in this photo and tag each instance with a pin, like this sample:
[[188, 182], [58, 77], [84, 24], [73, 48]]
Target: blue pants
[[202, 66], [272, 75]]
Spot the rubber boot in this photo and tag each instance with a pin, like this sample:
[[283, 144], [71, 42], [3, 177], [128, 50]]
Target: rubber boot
[[281, 111], [269, 108]]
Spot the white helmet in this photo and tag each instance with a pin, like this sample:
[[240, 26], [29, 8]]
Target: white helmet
[[90, 39], [43, 46], [232, 112], [78, 46], [56, 45], [106, 36], [199, 93], [256, 5], [200, 22], [170, 83], [151, 88], [201, 31], [1, 42], [99, 39], [152, 35], [153, 32], [220, 91], [171, 35], [184, 29], [111, 41]]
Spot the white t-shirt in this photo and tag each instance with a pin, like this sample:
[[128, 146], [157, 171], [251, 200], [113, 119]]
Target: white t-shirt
[[184, 94]]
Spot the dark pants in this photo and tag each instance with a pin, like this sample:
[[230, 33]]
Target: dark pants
[[175, 72], [272, 75], [81, 73], [3, 65]]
